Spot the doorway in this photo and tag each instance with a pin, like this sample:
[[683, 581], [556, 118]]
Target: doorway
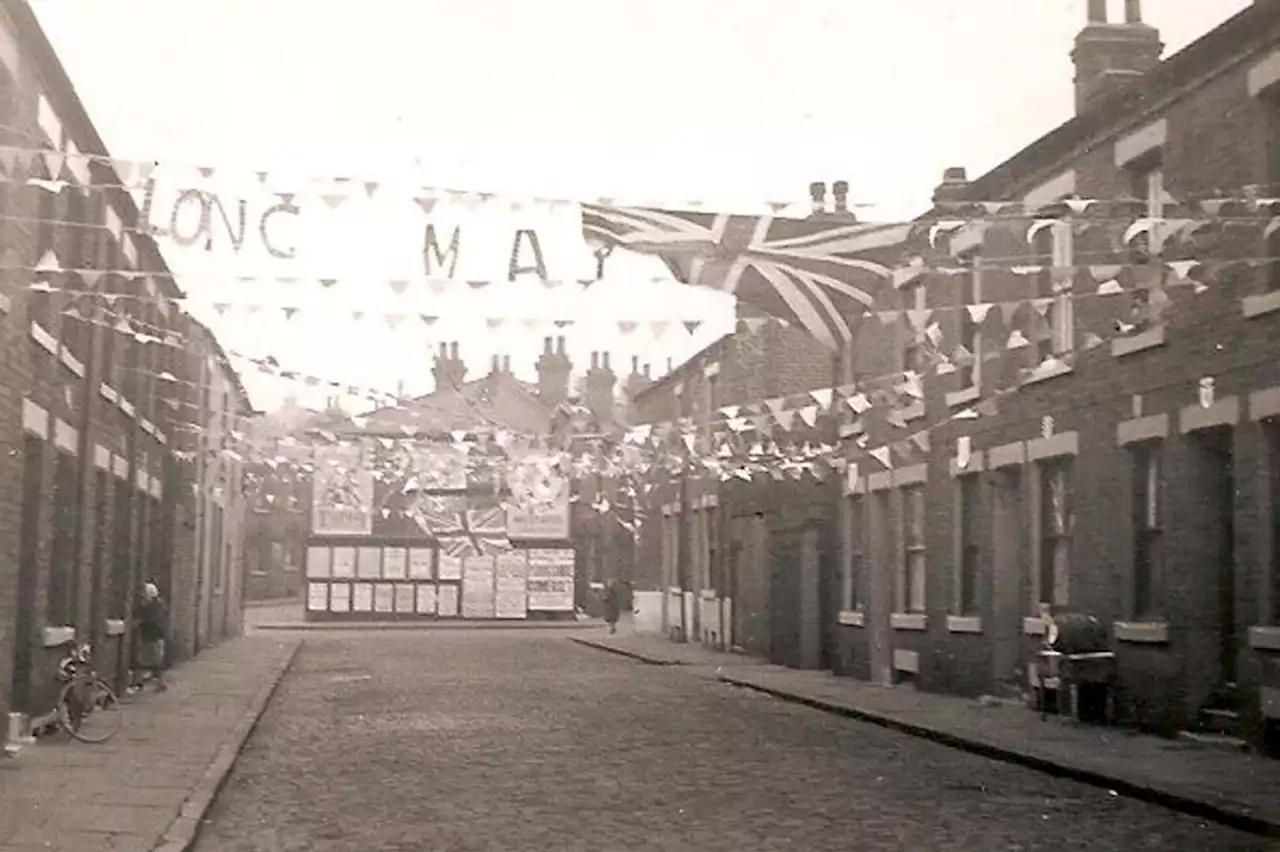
[[1006, 580], [1218, 490]]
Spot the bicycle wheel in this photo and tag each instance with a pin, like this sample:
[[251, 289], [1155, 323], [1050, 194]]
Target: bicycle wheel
[[91, 715]]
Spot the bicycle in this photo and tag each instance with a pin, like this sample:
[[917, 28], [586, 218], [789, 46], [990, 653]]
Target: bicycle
[[88, 709]]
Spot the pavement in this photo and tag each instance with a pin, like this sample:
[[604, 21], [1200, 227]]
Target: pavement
[[1230, 787], [148, 787], [499, 741], [288, 615]]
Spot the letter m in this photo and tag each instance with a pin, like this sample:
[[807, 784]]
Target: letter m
[[447, 259]]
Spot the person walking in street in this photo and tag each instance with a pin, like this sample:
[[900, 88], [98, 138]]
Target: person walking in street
[[612, 605], [151, 616]]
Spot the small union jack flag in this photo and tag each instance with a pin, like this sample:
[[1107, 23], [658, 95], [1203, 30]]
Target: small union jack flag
[[819, 274]]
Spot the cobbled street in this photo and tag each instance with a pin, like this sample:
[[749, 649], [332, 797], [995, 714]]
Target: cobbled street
[[506, 740]]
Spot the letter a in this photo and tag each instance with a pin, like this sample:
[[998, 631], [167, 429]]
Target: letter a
[[514, 269], [431, 245]]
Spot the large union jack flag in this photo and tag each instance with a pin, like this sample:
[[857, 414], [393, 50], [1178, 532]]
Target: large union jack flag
[[461, 529], [820, 274]]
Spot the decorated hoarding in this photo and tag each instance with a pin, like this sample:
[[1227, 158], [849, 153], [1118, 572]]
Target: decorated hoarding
[[343, 502]]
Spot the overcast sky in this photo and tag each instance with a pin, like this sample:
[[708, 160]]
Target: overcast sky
[[675, 99]]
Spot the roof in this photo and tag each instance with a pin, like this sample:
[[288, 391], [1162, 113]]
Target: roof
[[498, 400], [1240, 36], [689, 366], [220, 355]]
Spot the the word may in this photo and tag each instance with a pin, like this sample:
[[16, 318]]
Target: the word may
[[446, 259]]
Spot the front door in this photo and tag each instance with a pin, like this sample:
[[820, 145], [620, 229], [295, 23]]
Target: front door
[[1219, 461], [880, 587], [1006, 578]]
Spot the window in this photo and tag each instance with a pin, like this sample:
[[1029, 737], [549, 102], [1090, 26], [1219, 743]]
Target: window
[[969, 494], [40, 303], [215, 552], [101, 535], [855, 544], [715, 571], [1147, 525], [912, 578], [1054, 532], [970, 375], [1148, 187], [914, 298], [1055, 251], [122, 547], [63, 570]]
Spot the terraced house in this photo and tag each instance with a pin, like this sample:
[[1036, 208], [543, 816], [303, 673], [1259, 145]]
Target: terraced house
[[1134, 475], [102, 378]]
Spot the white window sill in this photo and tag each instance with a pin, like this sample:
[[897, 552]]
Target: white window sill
[[1142, 632], [964, 396], [44, 339], [115, 626], [55, 636], [914, 411], [1140, 342], [909, 621], [964, 624], [1260, 305], [852, 618], [1033, 627], [1264, 638], [72, 363], [1048, 370]]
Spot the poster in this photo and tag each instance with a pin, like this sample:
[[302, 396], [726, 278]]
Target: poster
[[362, 597], [477, 587], [550, 583], [439, 467], [369, 563], [395, 563], [384, 597], [317, 597], [318, 563], [404, 597], [450, 567], [539, 506], [447, 600], [340, 597], [511, 594], [344, 563], [426, 599], [342, 501], [420, 563]]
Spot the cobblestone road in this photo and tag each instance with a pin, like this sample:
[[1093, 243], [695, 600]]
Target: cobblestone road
[[459, 741]]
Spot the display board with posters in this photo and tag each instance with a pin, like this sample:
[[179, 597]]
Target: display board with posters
[[477, 587], [342, 491], [550, 579]]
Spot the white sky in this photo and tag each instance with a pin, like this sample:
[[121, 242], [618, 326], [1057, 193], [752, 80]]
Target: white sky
[[671, 99]]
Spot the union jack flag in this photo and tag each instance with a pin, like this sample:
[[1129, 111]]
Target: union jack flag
[[821, 275], [459, 528]]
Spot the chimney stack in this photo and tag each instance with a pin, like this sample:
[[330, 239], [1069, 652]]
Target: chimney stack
[[818, 197], [1109, 56], [553, 373], [954, 186], [449, 371]]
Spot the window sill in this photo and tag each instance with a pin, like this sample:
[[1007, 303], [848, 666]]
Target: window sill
[[1140, 342], [52, 637], [1264, 638], [852, 618], [1142, 632], [1048, 370], [964, 624], [1260, 305], [1033, 627], [44, 339], [72, 363], [914, 411], [964, 396], [909, 621]]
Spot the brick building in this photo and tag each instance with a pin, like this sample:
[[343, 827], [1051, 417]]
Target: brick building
[[1133, 475], [730, 546], [93, 390]]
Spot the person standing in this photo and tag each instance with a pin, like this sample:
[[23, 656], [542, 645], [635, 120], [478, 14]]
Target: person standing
[[151, 616], [612, 605]]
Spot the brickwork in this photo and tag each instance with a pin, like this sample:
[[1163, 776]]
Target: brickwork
[[91, 496], [1216, 136]]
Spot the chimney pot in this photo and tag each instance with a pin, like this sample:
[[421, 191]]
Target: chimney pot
[[560, 345], [646, 371], [444, 351], [497, 364], [1097, 11], [955, 174], [595, 359], [635, 364], [1133, 11], [604, 360], [506, 363], [546, 345], [453, 350], [840, 191], [818, 196]]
